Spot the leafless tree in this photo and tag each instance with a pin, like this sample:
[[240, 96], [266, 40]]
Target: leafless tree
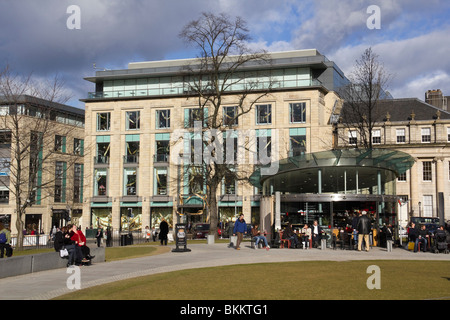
[[27, 132], [367, 86], [221, 70]]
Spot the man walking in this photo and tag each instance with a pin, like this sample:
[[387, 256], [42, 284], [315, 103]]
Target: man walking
[[363, 230], [240, 228]]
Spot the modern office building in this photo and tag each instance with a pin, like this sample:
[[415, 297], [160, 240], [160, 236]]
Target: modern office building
[[51, 138], [133, 114]]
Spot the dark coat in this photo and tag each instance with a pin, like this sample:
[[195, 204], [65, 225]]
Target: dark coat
[[363, 226], [163, 230]]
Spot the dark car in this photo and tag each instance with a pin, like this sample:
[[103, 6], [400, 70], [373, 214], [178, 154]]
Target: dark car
[[200, 230], [431, 223]]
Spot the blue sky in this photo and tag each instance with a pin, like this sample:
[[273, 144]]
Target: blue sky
[[413, 41]]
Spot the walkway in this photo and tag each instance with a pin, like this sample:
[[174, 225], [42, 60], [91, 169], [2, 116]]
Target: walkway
[[49, 284]]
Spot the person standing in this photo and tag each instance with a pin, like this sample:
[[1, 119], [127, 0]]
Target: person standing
[[363, 230], [163, 231], [99, 236], [316, 234], [5, 241], [240, 228]]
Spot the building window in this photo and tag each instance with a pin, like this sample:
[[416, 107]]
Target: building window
[[130, 181], [376, 136], [400, 135], [161, 181], [426, 135], [162, 119], [448, 134], [193, 115], [297, 145], [229, 116], [297, 112], [102, 153], [60, 143], [402, 177], [104, 121], [352, 137], [426, 170], [78, 146], [100, 182], [78, 183], [4, 196], [132, 152], [229, 183], [264, 114], [133, 120], [427, 205], [195, 182], [60, 181], [263, 149], [162, 151]]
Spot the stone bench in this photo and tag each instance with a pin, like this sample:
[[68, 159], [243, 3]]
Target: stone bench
[[18, 265]]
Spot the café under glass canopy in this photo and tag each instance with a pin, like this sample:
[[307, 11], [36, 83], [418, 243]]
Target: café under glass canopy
[[342, 179]]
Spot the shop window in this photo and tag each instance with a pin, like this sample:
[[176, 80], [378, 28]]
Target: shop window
[[264, 114], [297, 112], [162, 119], [104, 121], [133, 121]]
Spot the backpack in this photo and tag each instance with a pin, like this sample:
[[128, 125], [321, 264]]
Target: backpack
[[2, 238]]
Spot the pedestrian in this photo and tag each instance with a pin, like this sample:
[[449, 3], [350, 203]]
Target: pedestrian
[[240, 228], [363, 230], [355, 220], [99, 236], [154, 234], [316, 234], [147, 234], [5, 241], [163, 231]]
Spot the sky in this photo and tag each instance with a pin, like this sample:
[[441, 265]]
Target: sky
[[47, 38]]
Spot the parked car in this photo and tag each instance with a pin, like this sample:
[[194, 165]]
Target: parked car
[[431, 223], [200, 230]]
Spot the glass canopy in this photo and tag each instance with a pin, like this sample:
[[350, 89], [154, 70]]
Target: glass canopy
[[348, 171]]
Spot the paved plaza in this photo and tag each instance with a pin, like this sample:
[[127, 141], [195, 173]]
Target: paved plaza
[[50, 284]]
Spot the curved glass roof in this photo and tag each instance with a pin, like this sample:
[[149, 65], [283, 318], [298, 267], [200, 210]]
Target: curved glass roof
[[386, 159]]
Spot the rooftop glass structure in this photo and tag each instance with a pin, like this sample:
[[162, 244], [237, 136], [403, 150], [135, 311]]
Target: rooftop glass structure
[[286, 70]]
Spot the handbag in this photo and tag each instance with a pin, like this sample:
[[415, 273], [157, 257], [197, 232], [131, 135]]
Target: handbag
[[63, 253]]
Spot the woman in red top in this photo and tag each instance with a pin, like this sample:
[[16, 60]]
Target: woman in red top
[[78, 238]]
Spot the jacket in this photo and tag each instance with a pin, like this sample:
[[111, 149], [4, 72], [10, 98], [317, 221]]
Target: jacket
[[364, 224], [240, 226]]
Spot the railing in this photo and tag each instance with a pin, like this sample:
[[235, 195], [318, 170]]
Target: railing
[[131, 159], [101, 160], [162, 157], [275, 84]]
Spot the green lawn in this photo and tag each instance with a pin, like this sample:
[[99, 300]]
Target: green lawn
[[323, 280]]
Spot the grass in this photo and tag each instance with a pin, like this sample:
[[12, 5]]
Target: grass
[[323, 280]]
